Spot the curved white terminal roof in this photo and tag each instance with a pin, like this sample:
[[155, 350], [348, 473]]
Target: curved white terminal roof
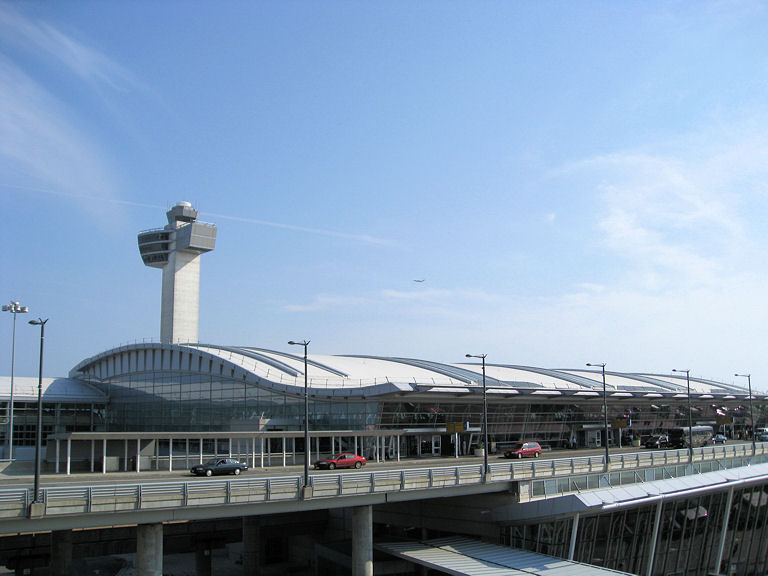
[[362, 375], [65, 390]]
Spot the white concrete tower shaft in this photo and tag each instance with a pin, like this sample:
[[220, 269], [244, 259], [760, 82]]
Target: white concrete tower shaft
[[177, 249]]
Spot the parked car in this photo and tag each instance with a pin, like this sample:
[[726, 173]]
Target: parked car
[[219, 466], [657, 441], [344, 460], [522, 449], [762, 437], [719, 439]]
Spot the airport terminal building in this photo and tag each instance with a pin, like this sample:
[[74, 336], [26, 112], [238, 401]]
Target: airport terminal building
[[196, 387]]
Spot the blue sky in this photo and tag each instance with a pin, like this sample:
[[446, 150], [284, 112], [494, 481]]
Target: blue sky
[[575, 181]]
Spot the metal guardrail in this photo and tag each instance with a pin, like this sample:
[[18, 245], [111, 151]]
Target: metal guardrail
[[562, 475]]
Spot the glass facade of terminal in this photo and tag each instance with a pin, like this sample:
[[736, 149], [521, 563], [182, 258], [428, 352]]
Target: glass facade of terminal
[[688, 541], [191, 402], [57, 417], [176, 401]]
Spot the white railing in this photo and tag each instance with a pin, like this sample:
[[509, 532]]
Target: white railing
[[583, 472]]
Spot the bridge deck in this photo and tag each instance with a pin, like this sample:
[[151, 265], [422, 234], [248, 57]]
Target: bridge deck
[[96, 504]]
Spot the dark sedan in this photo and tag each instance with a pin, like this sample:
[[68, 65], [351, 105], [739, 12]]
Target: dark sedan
[[345, 460], [657, 442], [220, 466]]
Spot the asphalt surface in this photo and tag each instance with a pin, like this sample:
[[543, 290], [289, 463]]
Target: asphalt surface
[[21, 476]]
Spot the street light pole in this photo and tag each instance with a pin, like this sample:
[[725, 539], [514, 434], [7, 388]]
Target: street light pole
[[486, 447], [305, 343], [39, 433], [605, 413], [690, 421], [14, 308], [751, 412]]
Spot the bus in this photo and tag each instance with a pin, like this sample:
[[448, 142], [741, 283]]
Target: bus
[[678, 437]]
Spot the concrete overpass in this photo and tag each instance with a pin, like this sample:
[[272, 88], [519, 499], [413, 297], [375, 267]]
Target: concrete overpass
[[151, 504]]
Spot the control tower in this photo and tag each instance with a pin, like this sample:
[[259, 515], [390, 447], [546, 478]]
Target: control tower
[[176, 249]]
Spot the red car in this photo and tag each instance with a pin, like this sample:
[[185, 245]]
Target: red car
[[523, 449], [344, 460]]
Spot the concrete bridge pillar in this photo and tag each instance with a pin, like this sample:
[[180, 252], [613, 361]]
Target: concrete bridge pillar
[[253, 556], [61, 553], [203, 565], [149, 550], [362, 541]]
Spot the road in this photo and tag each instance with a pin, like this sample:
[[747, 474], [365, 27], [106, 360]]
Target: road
[[48, 479]]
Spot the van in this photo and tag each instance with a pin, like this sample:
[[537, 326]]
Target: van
[[522, 449]]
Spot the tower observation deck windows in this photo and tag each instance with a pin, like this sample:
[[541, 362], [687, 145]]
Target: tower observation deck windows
[[152, 248]]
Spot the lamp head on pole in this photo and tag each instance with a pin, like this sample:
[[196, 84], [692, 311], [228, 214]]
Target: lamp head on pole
[[38, 322], [15, 308]]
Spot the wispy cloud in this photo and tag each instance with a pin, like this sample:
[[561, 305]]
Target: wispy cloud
[[40, 144], [44, 140], [48, 42], [680, 226], [676, 214], [42, 148]]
